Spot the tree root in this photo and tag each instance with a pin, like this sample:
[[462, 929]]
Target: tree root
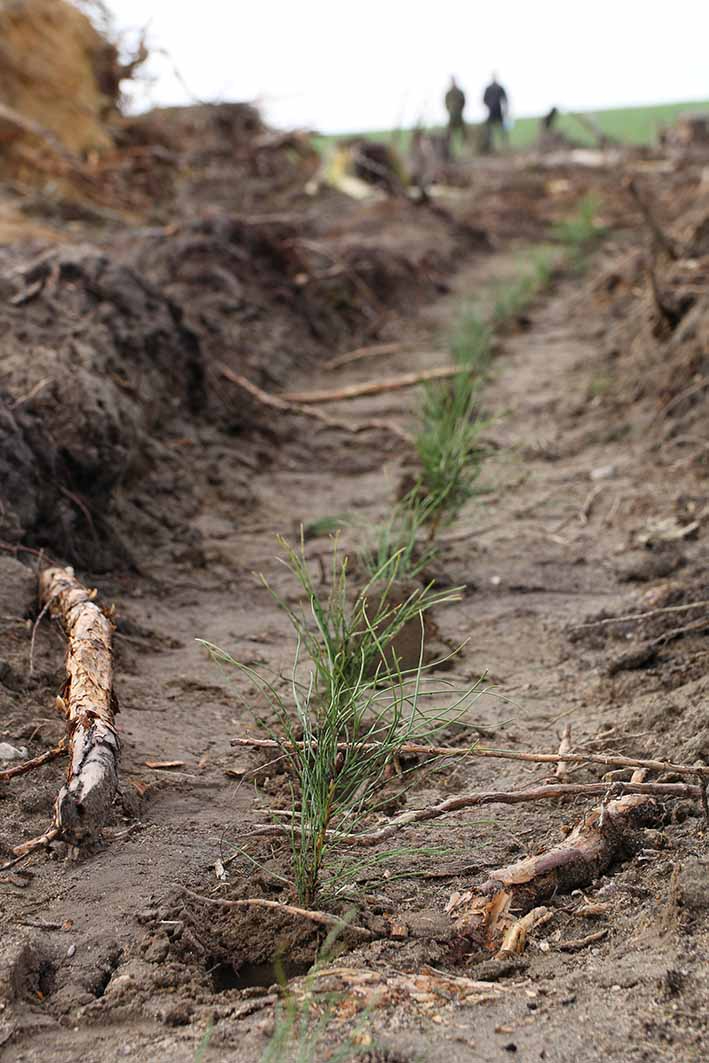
[[323, 918], [275, 402], [602, 837], [375, 387], [487, 752], [492, 797]]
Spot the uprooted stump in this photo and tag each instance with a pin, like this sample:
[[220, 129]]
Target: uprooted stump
[[484, 915], [90, 706]]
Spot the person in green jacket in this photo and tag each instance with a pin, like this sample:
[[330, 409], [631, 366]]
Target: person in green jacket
[[455, 105]]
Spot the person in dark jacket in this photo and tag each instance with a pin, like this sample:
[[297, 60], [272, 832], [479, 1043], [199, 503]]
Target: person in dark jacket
[[497, 104], [455, 105]]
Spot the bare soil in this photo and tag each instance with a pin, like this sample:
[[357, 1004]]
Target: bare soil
[[137, 968], [125, 451]]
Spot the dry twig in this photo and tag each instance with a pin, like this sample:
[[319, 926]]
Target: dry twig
[[374, 350], [36, 762], [661, 238], [587, 507], [374, 387], [609, 760], [607, 620], [493, 797], [562, 768], [323, 918], [275, 402], [575, 944]]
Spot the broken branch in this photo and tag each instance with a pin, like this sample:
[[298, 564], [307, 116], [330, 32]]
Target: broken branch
[[515, 937], [600, 838], [661, 238], [375, 387], [372, 351], [323, 918], [275, 402], [35, 762], [26, 848], [493, 797], [411, 748]]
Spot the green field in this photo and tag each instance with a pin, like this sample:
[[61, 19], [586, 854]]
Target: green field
[[633, 125]]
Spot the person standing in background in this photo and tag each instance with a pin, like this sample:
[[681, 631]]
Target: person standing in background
[[497, 104], [455, 105]]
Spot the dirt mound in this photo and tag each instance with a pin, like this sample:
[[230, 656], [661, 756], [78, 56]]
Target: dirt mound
[[101, 364], [219, 155], [94, 361], [52, 72], [656, 302]]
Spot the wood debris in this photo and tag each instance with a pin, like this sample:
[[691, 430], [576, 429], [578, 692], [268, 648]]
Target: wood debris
[[374, 387], [426, 990], [576, 944], [562, 768], [277, 402], [90, 705], [601, 837]]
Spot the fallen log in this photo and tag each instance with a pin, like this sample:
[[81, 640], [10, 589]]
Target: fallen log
[[375, 387], [89, 704], [603, 836], [275, 402]]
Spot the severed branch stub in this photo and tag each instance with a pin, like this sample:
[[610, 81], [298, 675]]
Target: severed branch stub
[[90, 704], [602, 837], [562, 768]]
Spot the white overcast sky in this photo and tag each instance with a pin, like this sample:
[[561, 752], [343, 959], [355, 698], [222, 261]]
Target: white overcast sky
[[373, 64]]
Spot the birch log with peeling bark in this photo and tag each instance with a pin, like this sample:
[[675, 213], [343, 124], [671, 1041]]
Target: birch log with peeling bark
[[84, 801]]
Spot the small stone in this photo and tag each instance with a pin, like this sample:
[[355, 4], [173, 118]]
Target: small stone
[[158, 949], [120, 981], [18, 588], [8, 752], [604, 472], [70, 951]]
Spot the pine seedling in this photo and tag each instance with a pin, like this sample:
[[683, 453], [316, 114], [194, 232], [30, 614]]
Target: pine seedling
[[346, 722]]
